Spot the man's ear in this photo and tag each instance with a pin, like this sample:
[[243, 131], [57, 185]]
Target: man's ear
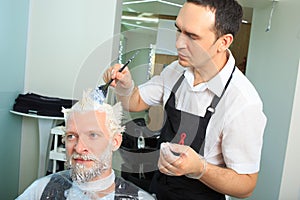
[[225, 42], [117, 141]]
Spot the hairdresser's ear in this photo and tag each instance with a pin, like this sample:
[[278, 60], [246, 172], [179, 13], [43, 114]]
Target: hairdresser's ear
[[224, 42], [117, 141]]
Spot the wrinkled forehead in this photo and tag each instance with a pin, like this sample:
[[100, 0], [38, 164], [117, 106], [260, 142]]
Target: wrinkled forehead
[[83, 121]]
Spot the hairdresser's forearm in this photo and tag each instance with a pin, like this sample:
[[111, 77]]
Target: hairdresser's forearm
[[227, 181], [133, 102]]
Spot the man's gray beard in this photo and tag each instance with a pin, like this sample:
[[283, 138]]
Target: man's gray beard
[[80, 173]]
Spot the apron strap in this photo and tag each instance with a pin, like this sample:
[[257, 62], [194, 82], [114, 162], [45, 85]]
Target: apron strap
[[178, 83], [216, 99], [211, 108]]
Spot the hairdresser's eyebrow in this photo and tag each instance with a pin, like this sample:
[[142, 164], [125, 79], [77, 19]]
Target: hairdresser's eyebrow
[[192, 35]]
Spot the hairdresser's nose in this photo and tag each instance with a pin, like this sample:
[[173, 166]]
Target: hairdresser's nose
[[181, 40], [80, 146]]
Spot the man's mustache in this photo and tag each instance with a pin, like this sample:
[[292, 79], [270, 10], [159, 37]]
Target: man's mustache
[[84, 157]]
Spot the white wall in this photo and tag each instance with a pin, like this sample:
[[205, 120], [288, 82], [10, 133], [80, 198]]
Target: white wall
[[69, 45], [290, 183], [272, 66], [62, 35]]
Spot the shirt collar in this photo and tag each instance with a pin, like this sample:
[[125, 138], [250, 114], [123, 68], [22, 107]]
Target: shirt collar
[[218, 82]]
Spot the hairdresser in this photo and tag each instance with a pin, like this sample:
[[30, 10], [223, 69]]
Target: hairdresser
[[212, 137]]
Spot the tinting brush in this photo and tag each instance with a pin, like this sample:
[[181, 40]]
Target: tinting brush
[[99, 94]]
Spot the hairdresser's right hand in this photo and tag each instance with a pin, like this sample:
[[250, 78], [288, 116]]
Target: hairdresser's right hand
[[122, 80]]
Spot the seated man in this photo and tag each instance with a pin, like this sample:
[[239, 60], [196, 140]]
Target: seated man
[[93, 132]]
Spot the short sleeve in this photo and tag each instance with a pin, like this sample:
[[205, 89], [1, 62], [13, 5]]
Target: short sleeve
[[152, 91], [243, 139], [158, 88]]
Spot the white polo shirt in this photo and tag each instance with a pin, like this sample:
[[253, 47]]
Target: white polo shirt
[[234, 135]]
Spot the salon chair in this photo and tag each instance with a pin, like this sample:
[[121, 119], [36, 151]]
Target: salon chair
[[139, 151]]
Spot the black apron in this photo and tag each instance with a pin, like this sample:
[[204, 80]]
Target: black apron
[[188, 129]]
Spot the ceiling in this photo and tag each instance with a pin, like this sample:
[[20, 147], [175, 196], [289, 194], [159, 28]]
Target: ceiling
[[171, 7]]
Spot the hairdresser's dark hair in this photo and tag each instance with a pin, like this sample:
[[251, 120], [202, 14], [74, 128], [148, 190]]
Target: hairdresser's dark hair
[[228, 15]]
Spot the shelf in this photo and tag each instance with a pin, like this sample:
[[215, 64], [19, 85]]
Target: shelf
[[61, 156], [58, 130], [36, 116]]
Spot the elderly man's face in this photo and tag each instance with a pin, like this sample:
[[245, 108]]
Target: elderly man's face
[[89, 145]]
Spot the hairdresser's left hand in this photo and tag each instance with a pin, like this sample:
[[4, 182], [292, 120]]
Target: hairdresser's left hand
[[186, 161]]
